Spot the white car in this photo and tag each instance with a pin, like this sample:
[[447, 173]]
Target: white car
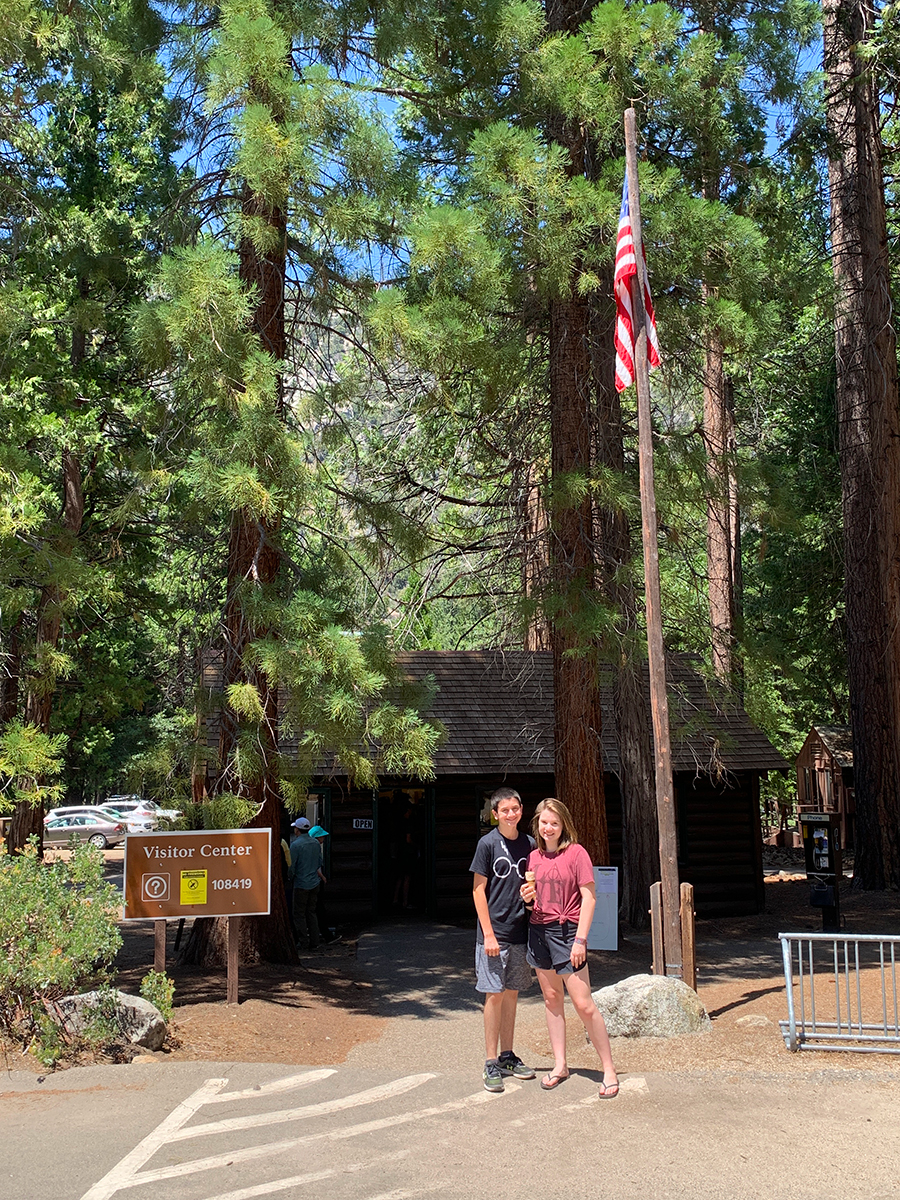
[[130, 809], [133, 822]]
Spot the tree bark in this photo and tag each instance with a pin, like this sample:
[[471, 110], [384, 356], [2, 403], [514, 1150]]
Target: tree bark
[[722, 515], [576, 686], [12, 669], [535, 562], [868, 411], [615, 557]]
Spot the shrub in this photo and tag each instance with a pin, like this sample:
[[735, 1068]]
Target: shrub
[[58, 932], [159, 989]]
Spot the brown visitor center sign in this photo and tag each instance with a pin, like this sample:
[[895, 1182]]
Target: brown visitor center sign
[[206, 873]]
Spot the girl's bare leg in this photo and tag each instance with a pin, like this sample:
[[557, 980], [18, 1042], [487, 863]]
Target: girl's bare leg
[[554, 1001], [579, 988]]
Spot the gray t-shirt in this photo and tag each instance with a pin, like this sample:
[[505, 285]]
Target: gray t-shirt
[[306, 857], [503, 863]]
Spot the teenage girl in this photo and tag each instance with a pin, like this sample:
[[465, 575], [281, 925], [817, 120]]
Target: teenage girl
[[561, 899]]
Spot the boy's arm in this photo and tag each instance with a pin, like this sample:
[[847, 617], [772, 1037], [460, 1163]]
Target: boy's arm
[[479, 895]]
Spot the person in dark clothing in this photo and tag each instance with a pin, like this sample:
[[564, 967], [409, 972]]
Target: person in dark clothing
[[498, 869], [306, 875]]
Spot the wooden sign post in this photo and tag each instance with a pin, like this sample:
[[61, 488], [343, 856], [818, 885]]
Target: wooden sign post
[[233, 966], [159, 946]]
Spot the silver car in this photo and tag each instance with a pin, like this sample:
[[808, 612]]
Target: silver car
[[147, 810], [101, 831], [132, 824]]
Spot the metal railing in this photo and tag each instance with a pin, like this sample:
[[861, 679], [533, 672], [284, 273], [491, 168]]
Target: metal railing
[[836, 984]]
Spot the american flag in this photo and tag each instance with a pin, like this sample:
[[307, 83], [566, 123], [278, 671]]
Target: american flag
[[626, 268]]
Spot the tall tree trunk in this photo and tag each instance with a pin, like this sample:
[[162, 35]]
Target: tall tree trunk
[[637, 780], [11, 673], [576, 684], [28, 819], [535, 561], [868, 411], [253, 562], [722, 516]]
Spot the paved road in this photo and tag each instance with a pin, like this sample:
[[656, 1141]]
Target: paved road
[[406, 1117], [200, 1131]]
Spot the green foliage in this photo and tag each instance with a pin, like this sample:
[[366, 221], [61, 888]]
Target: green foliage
[[159, 989], [58, 933], [393, 456], [30, 764], [226, 810]]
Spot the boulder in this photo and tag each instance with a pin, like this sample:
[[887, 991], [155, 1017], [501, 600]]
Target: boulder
[[651, 1006], [135, 1020]]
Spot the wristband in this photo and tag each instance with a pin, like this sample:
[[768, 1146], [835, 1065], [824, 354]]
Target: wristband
[[581, 941]]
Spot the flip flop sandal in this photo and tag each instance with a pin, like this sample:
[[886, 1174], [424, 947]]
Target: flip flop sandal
[[549, 1082], [608, 1091]]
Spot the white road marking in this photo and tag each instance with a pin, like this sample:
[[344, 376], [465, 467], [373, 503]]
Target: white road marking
[[281, 1185], [249, 1153], [277, 1085], [123, 1172], [255, 1120]]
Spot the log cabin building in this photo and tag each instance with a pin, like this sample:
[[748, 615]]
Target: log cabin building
[[409, 843]]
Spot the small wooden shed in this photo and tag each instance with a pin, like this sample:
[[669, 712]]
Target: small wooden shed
[[825, 775], [411, 842]]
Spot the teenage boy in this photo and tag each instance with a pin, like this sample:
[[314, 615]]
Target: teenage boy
[[500, 967]]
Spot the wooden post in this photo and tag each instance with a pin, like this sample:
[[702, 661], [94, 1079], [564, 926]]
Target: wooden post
[[688, 945], [159, 946], [659, 702], [656, 929], [233, 936]]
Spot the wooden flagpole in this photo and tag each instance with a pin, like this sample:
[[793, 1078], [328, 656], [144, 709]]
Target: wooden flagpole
[[659, 703]]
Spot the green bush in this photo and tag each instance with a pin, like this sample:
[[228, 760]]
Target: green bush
[[58, 933], [159, 989]]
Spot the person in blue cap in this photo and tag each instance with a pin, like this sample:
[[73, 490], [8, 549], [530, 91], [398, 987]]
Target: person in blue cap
[[306, 875]]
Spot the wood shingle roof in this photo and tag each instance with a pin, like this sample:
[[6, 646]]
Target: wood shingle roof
[[497, 709]]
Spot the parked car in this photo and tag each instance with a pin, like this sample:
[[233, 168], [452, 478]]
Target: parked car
[[133, 822], [91, 827], [70, 810], [147, 810]]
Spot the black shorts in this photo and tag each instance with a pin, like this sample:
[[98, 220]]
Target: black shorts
[[549, 946]]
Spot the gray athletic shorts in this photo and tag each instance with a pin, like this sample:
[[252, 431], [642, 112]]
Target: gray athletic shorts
[[506, 971]]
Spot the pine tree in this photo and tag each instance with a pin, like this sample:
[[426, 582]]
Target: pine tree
[[308, 181], [868, 411], [89, 177]]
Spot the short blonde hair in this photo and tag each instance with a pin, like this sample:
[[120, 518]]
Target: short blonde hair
[[569, 835]]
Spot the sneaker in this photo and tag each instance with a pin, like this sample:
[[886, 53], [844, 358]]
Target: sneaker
[[511, 1064], [493, 1076]]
